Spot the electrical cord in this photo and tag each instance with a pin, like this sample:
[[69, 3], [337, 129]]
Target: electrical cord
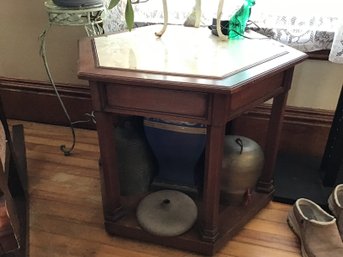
[[249, 23]]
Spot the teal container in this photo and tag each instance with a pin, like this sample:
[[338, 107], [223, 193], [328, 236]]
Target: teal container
[[238, 22]]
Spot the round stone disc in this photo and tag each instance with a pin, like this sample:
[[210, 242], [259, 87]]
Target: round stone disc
[[167, 213]]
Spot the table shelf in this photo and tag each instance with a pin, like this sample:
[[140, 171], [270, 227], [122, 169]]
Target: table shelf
[[232, 219]]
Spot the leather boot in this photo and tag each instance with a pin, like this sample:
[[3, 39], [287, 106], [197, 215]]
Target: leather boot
[[336, 206], [316, 229]]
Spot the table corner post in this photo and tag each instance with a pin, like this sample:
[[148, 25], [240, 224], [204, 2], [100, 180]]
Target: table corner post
[[209, 227], [266, 183], [109, 174]]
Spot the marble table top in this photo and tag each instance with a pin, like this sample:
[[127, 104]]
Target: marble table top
[[184, 51]]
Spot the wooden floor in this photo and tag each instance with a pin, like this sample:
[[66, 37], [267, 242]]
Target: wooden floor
[[66, 214]]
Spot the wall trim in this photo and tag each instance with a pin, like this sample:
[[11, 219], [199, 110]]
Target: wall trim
[[297, 115], [319, 55], [32, 100], [42, 87], [305, 130]]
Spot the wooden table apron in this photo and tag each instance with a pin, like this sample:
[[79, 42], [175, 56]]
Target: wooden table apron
[[120, 92]]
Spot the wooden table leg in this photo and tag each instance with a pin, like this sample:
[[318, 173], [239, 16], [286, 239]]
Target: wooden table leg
[[265, 183], [109, 172], [213, 164], [214, 153]]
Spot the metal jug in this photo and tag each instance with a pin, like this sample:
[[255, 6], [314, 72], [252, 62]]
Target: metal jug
[[242, 165], [136, 162]]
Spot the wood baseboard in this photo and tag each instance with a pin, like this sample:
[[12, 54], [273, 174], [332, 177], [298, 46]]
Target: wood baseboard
[[36, 101], [305, 130]]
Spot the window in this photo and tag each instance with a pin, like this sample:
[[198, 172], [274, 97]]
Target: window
[[308, 25]]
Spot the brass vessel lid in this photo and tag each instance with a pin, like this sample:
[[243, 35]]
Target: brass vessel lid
[[167, 213]]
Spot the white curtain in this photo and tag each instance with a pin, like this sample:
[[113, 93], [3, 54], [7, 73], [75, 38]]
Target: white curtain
[[307, 25], [336, 53]]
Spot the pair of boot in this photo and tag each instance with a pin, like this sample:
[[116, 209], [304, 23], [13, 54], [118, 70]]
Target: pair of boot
[[320, 233]]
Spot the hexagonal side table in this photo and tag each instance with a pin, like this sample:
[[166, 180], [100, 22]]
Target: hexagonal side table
[[186, 75]]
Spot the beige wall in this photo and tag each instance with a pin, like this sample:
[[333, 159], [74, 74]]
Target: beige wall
[[22, 22], [316, 84]]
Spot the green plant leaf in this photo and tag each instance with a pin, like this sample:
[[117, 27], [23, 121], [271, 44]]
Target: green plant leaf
[[113, 3], [129, 15]]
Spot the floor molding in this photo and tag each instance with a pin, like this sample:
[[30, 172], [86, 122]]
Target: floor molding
[[36, 101], [305, 130]]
